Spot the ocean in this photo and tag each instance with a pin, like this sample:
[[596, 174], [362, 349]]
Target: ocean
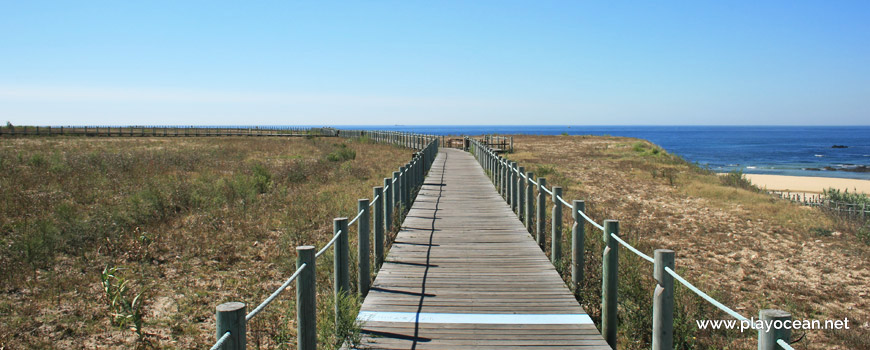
[[780, 150]]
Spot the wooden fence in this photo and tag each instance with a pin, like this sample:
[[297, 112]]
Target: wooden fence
[[516, 186], [162, 131], [818, 200], [388, 201]]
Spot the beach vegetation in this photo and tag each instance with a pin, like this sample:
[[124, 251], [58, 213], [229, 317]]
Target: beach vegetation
[[846, 197], [142, 237], [726, 234], [736, 178], [341, 153]]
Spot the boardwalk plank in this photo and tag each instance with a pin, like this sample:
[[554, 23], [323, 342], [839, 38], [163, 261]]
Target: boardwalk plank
[[462, 252]]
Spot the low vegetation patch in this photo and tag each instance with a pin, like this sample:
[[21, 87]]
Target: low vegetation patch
[[132, 242], [744, 248]]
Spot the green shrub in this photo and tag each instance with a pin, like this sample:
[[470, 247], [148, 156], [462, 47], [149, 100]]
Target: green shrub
[[819, 231], [343, 153], [735, 178], [37, 160], [262, 178], [835, 195], [37, 242], [638, 147], [544, 170], [864, 234], [348, 330]]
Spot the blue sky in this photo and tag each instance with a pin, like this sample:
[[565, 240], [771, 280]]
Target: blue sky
[[409, 62]]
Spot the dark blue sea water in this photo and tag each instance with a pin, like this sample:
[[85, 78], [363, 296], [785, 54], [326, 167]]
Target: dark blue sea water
[[783, 150]]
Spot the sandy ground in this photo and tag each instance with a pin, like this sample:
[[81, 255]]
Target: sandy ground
[[807, 184]]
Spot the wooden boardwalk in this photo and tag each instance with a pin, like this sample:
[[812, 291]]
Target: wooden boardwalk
[[464, 273]]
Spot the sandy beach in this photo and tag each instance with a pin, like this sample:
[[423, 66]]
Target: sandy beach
[[807, 184]]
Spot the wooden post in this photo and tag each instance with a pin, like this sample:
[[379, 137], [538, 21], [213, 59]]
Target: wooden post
[[556, 220], [767, 337], [609, 282], [529, 202], [578, 244], [306, 299], [412, 174], [498, 173], [502, 172], [230, 317], [663, 301], [364, 274], [401, 188], [511, 185], [521, 192], [341, 276], [379, 225], [541, 217], [395, 197]]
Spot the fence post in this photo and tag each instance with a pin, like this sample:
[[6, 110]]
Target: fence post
[[578, 244], [541, 217], [395, 198], [230, 317], [521, 193], [663, 301], [363, 253], [306, 299], [556, 220], [501, 172], [511, 184], [341, 282], [529, 202], [609, 282], [412, 179], [504, 178], [401, 188], [767, 337], [380, 214]]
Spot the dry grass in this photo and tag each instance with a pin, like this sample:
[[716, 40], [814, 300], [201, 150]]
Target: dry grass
[[190, 223], [744, 248]]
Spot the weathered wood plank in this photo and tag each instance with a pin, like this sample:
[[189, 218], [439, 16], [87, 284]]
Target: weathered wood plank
[[462, 252]]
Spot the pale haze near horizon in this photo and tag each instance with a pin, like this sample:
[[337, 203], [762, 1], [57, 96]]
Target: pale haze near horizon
[[454, 63]]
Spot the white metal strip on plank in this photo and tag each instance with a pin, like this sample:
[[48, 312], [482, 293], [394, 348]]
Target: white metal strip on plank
[[426, 317]]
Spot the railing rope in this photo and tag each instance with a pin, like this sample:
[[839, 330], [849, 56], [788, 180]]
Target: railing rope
[[274, 295], [664, 275]]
